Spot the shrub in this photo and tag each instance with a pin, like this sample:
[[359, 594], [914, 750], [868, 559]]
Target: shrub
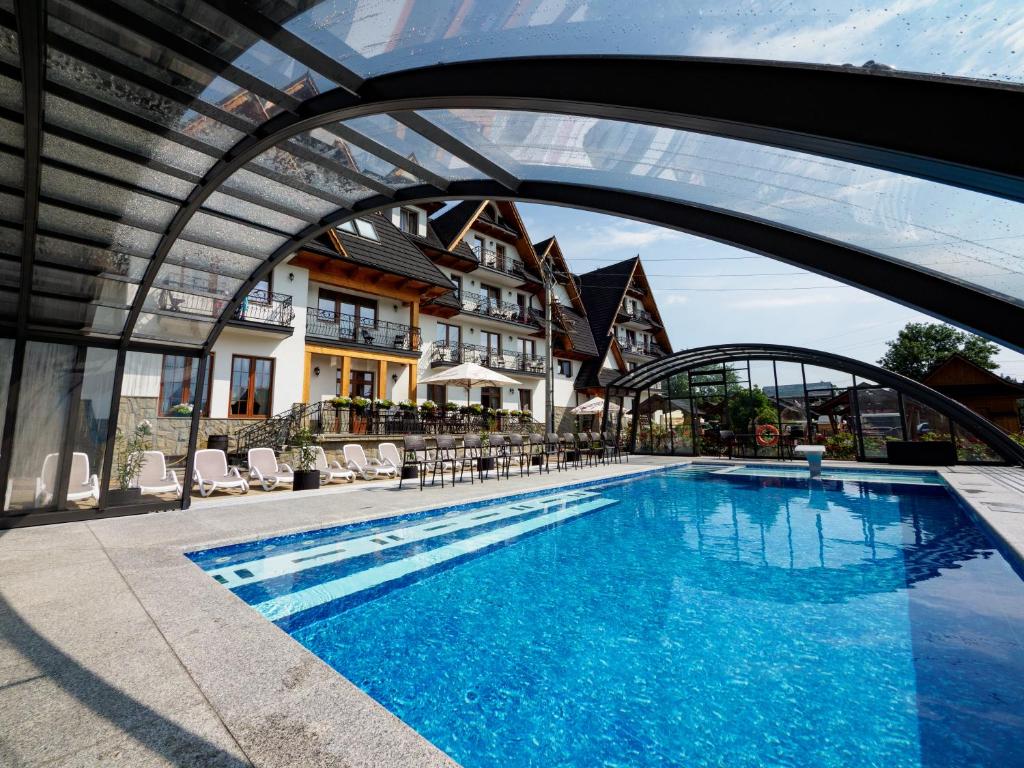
[[428, 406], [383, 402], [341, 402], [407, 405], [450, 406], [360, 403], [841, 445], [181, 409]]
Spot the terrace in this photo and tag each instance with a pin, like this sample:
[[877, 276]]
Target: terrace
[[485, 306], [504, 263], [443, 353], [350, 331]]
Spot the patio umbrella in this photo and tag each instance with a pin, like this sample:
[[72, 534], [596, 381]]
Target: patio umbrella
[[592, 406], [469, 375]]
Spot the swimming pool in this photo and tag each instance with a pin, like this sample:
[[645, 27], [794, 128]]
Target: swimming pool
[[679, 618]]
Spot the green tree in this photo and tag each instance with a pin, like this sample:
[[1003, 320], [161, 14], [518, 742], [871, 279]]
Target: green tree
[[920, 346], [679, 385], [748, 408]]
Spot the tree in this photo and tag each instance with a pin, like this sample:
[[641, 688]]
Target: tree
[[919, 347], [679, 385], [748, 408]]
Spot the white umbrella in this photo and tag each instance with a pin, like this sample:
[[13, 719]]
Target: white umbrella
[[592, 406], [469, 375]]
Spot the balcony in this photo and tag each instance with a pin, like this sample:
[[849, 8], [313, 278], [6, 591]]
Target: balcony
[[502, 262], [634, 347], [642, 316], [353, 331], [479, 304], [444, 353], [265, 307]]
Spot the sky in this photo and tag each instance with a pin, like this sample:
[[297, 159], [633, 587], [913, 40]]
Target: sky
[[710, 293]]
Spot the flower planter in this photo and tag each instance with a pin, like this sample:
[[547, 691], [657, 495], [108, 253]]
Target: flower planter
[[486, 463], [358, 424], [117, 497], [306, 479], [410, 472]]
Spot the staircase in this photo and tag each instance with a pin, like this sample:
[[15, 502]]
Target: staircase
[[275, 432]]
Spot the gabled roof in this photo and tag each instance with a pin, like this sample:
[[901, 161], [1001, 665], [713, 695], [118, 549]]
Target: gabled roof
[[392, 252], [957, 365], [433, 243], [578, 330], [602, 291], [453, 223]]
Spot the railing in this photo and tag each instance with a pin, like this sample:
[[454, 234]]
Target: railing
[[650, 349], [323, 418], [353, 330], [479, 304], [501, 262], [637, 315], [443, 353], [266, 307]]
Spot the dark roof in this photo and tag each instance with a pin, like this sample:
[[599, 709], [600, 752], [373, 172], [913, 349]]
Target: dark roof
[[594, 374], [394, 253], [542, 245], [602, 291], [451, 223], [446, 300], [578, 330]]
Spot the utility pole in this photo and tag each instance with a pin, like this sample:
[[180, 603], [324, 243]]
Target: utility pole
[[547, 274]]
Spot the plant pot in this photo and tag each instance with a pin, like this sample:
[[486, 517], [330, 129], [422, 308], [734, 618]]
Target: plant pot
[[123, 498], [537, 461], [306, 479], [486, 462], [410, 472]]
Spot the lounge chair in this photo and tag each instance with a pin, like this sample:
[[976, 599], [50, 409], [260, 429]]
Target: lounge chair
[[82, 484], [368, 469], [390, 455], [331, 470], [155, 477], [263, 467], [211, 472]]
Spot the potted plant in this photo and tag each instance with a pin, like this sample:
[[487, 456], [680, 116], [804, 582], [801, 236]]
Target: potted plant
[[407, 406], [452, 407], [307, 476], [526, 415], [341, 402], [487, 462], [474, 409], [359, 407], [428, 407], [383, 404], [130, 450], [181, 410]]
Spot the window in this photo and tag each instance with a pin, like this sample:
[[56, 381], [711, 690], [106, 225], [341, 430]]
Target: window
[[448, 335], [178, 383], [409, 221], [492, 341], [361, 384], [438, 393], [360, 227], [499, 252], [478, 245], [524, 305], [528, 347], [457, 282], [525, 400], [261, 293], [565, 368], [352, 311], [493, 296], [252, 386], [490, 397]]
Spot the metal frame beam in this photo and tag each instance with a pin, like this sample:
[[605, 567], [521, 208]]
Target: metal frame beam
[[659, 370]]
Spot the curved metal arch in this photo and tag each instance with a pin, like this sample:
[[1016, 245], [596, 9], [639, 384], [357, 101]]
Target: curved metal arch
[[659, 370], [882, 120], [959, 304]]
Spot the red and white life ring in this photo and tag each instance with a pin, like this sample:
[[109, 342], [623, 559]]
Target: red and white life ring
[[767, 435]]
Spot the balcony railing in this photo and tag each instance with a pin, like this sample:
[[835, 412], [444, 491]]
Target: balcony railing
[[633, 347], [502, 262], [479, 304], [444, 353], [266, 307], [636, 315], [353, 330]]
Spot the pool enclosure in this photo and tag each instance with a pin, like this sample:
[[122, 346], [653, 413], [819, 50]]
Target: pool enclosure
[[159, 157], [762, 400]]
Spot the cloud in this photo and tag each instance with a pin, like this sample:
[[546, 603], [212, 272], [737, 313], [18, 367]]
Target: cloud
[[804, 299], [616, 237], [672, 298]]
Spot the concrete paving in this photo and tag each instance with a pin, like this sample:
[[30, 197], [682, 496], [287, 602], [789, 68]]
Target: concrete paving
[[116, 650]]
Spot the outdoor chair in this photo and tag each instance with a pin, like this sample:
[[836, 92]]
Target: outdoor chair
[[611, 447], [572, 450], [155, 477], [538, 447], [473, 449], [211, 472], [416, 447], [553, 446], [368, 469], [448, 454], [263, 468], [331, 470], [499, 450], [585, 448], [82, 484], [518, 451]]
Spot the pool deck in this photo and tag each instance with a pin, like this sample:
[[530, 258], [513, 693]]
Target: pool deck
[[115, 650]]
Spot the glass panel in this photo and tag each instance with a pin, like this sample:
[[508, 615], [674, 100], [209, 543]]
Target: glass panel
[[89, 431], [12, 133], [76, 286], [220, 233], [262, 383], [11, 173], [971, 448], [924, 423], [6, 355], [258, 185], [387, 131], [86, 318], [11, 208], [205, 257], [58, 251], [39, 430], [880, 421], [971, 237], [66, 114], [290, 168], [190, 331], [789, 400], [328, 145], [178, 385], [58, 148], [117, 236], [254, 213], [179, 278], [10, 93], [966, 39], [133, 208], [241, 377]]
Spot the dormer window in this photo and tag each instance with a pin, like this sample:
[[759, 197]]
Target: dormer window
[[360, 227], [409, 221]]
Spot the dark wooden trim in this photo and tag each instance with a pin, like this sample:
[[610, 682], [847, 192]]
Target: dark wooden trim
[[252, 376]]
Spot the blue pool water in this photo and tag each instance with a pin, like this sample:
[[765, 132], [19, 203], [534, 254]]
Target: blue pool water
[[686, 618]]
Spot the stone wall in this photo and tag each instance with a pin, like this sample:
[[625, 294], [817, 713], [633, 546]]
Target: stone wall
[[170, 433]]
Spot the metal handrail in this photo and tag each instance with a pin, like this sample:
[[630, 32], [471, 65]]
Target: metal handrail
[[651, 349], [445, 353], [266, 307], [501, 262], [480, 304], [349, 328]]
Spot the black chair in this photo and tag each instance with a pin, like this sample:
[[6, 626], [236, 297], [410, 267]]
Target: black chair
[[517, 450], [585, 448], [572, 450], [499, 451], [539, 448], [473, 449], [611, 447], [416, 447], [448, 454], [553, 446]]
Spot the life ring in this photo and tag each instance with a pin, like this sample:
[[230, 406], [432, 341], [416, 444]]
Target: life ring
[[767, 435]]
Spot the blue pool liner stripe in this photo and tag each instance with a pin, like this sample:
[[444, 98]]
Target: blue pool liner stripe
[[260, 591], [330, 608]]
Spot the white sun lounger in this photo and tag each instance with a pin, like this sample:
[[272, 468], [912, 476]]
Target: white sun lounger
[[82, 485], [264, 468], [332, 470], [155, 477], [211, 472], [390, 455], [368, 469]]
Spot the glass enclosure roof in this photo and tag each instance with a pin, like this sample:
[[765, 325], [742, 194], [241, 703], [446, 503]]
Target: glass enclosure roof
[[185, 147]]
